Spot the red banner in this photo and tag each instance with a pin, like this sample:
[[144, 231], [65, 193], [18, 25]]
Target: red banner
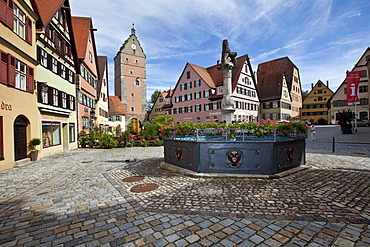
[[353, 78]]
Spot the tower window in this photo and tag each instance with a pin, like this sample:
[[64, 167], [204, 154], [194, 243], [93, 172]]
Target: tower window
[[188, 74], [136, 61], [132, 108], [126, 59], [137, 82], [131, 72]]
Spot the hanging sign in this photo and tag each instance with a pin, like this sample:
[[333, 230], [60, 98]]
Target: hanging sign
[[353, 79]]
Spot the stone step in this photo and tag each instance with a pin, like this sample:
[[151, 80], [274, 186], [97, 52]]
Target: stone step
[[23, 162]]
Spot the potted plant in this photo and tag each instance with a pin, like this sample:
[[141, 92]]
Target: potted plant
[[107, 141], [32, 146], [83, 139], [345, 117]]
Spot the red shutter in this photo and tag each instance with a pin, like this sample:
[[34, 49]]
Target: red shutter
[[28, 30], [30, 80], [3, 9], [11, 70], [10, 14], [4, 67]]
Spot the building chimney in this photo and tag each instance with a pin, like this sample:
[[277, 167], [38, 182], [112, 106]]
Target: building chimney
[[311, 86], [327, 84]]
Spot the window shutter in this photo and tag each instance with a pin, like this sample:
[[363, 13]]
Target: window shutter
[[38, 53], [68, 101], [63, 49], [60, 94], [50, 96], [3, 9], [30, 79], [39, 92], [10, 14], [49, 61], [59, 68], [3, 67], [11, 70], [28, 30]]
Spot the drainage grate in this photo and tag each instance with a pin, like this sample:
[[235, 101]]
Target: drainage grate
[[144, 188], [133, 179]]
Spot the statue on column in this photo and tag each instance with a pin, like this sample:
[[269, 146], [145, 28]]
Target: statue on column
[[228, 62], [228, 58]]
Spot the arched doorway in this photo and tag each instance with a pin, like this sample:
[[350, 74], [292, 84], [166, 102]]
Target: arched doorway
[[20, 138]]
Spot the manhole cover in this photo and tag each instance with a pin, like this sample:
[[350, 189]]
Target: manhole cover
[[133, 179], [210, 190], [144, 188]]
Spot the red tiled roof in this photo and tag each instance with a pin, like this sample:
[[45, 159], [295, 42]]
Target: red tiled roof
[[283, 65], [170, 92], [164, 94], [203, 73], [47, 8], [116, 107], [102, 64], [269, 85], [81, 28]]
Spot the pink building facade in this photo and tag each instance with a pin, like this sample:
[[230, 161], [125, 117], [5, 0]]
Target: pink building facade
[[198, 94]]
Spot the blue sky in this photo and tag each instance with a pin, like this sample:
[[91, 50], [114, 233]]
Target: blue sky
[[323, 38]]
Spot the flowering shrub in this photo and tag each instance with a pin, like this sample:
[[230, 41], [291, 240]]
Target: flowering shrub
[[264, 127]]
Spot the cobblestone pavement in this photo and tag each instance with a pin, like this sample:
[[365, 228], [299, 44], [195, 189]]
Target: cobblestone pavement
[[79, 198], [357, 143]]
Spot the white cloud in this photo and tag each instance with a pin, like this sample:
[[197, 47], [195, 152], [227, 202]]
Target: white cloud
[[323, 38]]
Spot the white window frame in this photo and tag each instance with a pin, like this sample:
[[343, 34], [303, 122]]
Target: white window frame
[[43, 58], [19, 22], [20, 75], [63, 71], [54, 65]]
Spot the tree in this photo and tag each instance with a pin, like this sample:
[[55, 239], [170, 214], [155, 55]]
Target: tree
[[153, 98], [304, 94]]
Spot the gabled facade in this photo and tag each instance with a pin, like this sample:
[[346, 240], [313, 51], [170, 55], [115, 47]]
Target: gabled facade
[[102, 92], [87, 80], [158, 109], [291, 73], [55, 76], [275, 98], [198, 93], [130, 78], [338, 101], [315, 105], [117, 113], [18, 111]]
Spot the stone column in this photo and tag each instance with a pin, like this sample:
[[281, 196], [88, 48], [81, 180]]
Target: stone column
[[227, 64]]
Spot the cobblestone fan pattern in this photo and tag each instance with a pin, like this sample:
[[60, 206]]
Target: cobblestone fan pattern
[[78, 198]]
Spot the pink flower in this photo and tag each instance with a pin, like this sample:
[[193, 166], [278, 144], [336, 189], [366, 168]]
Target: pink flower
[[262, 125], [228, 133], [220, 128], [272, 131], [284, 130]]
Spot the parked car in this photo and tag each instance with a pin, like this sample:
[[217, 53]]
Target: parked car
[[362, 123]]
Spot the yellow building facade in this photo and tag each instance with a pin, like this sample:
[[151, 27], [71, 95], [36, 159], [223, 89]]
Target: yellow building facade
[[314, 107], [18, 107]]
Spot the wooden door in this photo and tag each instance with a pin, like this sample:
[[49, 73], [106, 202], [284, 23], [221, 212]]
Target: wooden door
[[20, 138]]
